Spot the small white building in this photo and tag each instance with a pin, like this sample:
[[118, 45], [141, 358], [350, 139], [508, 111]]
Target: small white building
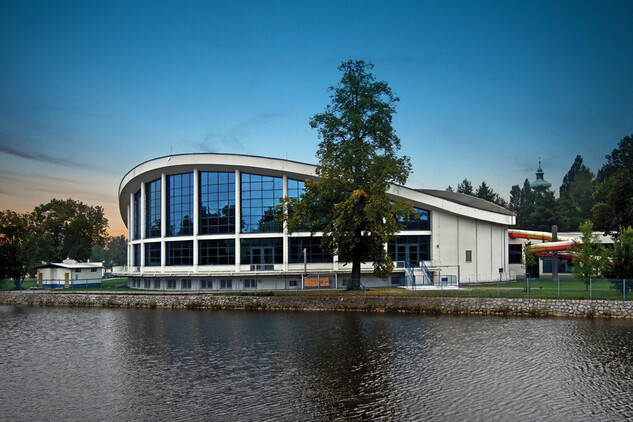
[[69, 273]]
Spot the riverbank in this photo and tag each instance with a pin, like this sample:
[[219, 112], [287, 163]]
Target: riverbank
[[422, 305]]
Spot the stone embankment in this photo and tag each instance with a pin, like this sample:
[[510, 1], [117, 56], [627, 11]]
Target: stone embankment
[[423, 305]]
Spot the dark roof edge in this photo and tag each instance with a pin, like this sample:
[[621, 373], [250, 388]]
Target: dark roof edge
[[467, 200]]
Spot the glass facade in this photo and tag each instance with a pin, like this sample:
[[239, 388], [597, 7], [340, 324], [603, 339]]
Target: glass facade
[[423, 221], [152, 254], [216, 252], [137, 215], [412, 249], [137, 256], [295, 188], [260, 195], [180, 204], [180, 253], [312, 245], [261, 251], [217, 202], [152, 209]]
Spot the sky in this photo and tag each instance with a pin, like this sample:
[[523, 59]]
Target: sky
[[88, 90]]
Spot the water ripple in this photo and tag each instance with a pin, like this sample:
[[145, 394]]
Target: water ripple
[[117, 364]]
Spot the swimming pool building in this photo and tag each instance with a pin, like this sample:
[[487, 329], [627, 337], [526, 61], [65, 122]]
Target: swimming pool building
[[207, 222]]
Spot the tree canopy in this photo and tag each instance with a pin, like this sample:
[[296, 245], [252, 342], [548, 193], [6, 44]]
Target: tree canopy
[[576, 196], [358, 161], [51, 232], [68, 229], [113, 253], [613, 209], [17, 257]]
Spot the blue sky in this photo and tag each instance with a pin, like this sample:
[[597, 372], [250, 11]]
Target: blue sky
[[88, 89]]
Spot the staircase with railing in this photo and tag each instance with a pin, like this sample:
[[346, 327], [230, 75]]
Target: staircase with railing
[[409, 274], [427, 277]]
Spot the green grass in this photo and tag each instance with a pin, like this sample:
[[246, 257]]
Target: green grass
[[108, 285], [7, 284], [539, 288]]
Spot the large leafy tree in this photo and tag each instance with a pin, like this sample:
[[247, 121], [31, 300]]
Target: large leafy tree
[[17, 258], [68, 229], [614, 189], [358, 161]]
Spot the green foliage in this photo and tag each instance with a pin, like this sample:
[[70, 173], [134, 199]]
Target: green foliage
[[483, 191], [17, 246], [614, 189], [67, 229], [622, 267], [534, 211], [466, 187], [576, 196], [113, 253], [52, 232], [358, 162], [591, 260]]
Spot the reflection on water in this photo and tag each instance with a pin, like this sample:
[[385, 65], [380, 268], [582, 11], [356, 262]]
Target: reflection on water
[[107, 364]]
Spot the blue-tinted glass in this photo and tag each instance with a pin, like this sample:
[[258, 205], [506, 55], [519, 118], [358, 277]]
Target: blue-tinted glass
[[312, 245], [412, 249], [137, 256], [137, 215], [421, 223], [295, 188], [260, 195], [217, 252], [217, 207], [180, 209], [152, 254], [152, 209], [261, 251], [180, 253]]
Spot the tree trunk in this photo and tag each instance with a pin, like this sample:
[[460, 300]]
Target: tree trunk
[[355, 275]]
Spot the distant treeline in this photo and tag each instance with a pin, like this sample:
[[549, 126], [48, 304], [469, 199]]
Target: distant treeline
[[605, 198]]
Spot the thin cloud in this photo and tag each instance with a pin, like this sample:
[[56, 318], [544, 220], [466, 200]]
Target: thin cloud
[[233, 140], [14, 175], [30, 154]]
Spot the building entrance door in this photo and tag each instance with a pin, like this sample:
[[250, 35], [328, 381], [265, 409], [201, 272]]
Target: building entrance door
[[408, 253]]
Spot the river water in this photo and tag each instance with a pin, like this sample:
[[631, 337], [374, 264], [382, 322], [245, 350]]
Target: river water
[[130, 364]]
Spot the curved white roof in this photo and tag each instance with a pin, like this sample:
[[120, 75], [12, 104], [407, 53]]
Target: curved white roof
[[429, 199]]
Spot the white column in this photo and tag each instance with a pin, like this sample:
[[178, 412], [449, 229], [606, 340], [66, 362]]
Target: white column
[[285, 228], [196, 217], [163, 221], [238, 218], [130, 231], [143, 205]]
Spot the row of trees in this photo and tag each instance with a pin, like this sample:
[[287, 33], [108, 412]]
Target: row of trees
[[606, 198], [50, 233], [539, 211], [483, 191]]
